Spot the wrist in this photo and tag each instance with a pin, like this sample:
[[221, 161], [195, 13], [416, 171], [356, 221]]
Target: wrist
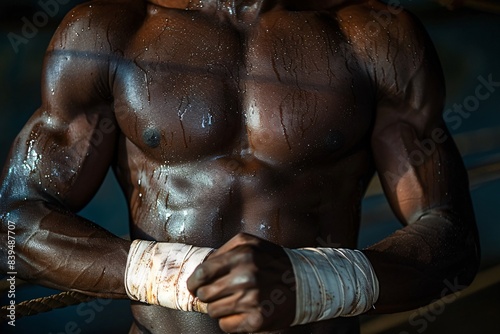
[[332, 283], [157, 273]]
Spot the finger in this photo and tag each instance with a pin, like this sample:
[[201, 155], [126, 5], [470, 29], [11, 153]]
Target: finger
[[239, 239], [214, 268], [206, 272], [243, 301], [240, 279], [242, 323]]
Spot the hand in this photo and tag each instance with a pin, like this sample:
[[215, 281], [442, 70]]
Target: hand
[[248, 284]]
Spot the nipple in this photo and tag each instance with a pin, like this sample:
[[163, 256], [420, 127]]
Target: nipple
[[335, 141], [151, 137]]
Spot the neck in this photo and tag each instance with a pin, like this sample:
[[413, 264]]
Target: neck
[[234, 5], [180, 4], [202, 4], [238, 12]]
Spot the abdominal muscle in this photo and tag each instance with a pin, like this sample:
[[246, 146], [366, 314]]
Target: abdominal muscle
[[160, 320], [205, 203]]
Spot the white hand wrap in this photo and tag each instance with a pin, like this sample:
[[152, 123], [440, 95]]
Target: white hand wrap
[[157, 273], [332, 283]]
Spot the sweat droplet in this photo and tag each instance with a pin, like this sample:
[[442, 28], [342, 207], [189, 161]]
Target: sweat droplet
[[206, 121]]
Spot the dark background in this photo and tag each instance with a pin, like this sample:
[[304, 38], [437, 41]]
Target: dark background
[[468, 43]]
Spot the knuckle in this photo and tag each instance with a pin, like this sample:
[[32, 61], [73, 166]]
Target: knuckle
[[199, 273], [245, 279], [254, 321], [201, 293], [248, 253], [251, 300], [243, 236], [207, 292], [212, 311], [226, 327], [245, 254]]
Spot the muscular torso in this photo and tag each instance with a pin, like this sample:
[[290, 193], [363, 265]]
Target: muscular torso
[[219, 122], [263, 130]]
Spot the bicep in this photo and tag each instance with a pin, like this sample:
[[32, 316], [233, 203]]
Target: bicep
[[421, 171], [417, 161], [64, 151], [59, 161]]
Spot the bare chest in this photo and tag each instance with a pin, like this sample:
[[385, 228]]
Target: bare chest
[[286, 90]]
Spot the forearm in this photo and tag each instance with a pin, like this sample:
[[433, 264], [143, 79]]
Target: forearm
[[424, 261], [61, 250]]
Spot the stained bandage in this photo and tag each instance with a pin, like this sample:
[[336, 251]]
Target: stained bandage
[[157, 274], [332, 283]]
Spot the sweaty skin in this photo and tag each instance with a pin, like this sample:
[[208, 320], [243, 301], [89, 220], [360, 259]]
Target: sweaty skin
[[267, 118]]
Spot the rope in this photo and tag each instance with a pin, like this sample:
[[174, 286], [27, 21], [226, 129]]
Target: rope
[[45, 304]]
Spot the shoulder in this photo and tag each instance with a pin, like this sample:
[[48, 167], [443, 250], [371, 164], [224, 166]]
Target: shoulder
[[88, 39], [392, 42], [374, 18], [371, 24], [100, 24], [79, 61]]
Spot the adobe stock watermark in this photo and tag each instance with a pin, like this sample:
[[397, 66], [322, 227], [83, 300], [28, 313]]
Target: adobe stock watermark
[[11, 263], [453, 117], [31, 26], [421, 317]]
